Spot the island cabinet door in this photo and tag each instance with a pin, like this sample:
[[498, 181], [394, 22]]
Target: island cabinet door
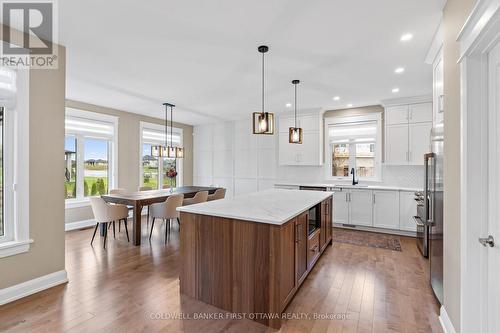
[[301, 246], [326, 223], [288, 277]]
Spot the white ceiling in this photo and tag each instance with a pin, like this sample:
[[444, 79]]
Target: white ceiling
[[202, 55]]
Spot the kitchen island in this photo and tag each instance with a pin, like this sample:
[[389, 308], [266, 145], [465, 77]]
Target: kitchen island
[[250, 254]]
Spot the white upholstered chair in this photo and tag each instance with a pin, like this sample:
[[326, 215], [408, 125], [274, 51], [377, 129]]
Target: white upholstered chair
[[105, 213], [167, 211], [219, 193], [199, 197]]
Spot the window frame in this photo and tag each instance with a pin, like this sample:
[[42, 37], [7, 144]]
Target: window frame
[[81, 200], [16, 173], [334, 120], [179, 163]]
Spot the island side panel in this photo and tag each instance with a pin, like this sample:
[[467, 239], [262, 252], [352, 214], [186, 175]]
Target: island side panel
[[214, 261], [187, 274]]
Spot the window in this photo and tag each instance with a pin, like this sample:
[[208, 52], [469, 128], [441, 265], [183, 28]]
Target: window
[[154, 170], [354, 143], [2, 231], [90, 149], [14, 162]]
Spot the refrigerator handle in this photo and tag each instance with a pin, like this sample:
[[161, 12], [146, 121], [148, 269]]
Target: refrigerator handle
[[429, 211]]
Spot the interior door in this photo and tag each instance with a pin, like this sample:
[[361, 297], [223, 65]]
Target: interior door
[[491, 235]]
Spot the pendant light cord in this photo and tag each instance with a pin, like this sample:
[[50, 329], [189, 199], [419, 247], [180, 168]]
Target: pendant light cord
[[263, 83], [295, 105], [166, 126], [171, 121]]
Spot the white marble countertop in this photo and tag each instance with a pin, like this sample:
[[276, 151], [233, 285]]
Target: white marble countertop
[[273, 206], [361, 186]]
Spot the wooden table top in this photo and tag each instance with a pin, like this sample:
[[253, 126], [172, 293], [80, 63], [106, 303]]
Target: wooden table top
[[146, 196]]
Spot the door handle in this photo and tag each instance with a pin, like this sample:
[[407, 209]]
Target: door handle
[[489, 241]]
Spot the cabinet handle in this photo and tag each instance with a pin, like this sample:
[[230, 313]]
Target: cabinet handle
[[297, 233], [346, 197], [314, 248], [407, 159], [374, 200]]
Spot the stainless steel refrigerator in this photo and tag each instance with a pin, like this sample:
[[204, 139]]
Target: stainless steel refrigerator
[[433, 193]]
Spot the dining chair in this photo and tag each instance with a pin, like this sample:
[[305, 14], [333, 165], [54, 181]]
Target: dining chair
[[219, 193], [199, 197], [119, 190], [105, 213], [146, 188], [167, 211]]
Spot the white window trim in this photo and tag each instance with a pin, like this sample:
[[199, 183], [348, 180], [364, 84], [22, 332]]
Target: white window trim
[[180, 164], [16, 217], [82, 201], [376, 116]]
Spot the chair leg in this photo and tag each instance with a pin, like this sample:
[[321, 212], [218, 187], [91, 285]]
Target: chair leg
[[178, 222], [126, 229], [167, 229], [152, 225], [105, 234], [114, 233], [147, 223], [97, 225], [109, 226], [119, 225]]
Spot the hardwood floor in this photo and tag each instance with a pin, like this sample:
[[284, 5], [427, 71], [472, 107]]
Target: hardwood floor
[[130, 289]]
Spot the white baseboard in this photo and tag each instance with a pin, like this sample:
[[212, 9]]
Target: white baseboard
[[88, 223], [445, 321], [30, 287], [79, 225]]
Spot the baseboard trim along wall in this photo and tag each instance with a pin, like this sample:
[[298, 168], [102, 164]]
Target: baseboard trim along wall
[[30, 287], [445, 321]]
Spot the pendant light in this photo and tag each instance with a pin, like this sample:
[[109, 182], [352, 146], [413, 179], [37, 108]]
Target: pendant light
[[169, 151], [263, 122], [295, 133]]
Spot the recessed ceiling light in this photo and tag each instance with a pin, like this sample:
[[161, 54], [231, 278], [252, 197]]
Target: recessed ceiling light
[[399, 70], [406, 37], [336, 98], [395, 90], [288, 105], [349, 105]]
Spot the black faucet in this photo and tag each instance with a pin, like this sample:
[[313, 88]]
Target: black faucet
[[353, 173]]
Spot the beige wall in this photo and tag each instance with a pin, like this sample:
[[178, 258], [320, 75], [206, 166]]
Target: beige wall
[[129, 153], [454, 16], [46, 255]]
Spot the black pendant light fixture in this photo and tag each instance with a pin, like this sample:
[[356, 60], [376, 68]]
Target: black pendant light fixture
[[169, 151], [263, 122], [295, 133]]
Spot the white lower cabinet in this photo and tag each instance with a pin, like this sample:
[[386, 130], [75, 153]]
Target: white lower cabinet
[[407, 210], [360, 207], [386, 209], [340, 206]]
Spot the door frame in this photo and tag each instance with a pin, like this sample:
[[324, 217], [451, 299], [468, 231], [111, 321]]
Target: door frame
[[478, 36]]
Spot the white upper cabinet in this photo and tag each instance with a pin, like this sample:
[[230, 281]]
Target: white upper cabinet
[[310, 152], [396, 115], [419, 137], [407, 133], [420, 113], [396, 147], [386, 209]]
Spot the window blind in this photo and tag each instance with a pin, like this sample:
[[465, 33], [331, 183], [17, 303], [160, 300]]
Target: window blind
[[353, 132], [88, 127]]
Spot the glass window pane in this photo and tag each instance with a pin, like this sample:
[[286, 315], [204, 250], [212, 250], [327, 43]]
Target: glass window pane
[[95, 173], [340, 160], [2, 230], [149, 167], [169, 164], [365, 160], [70, 162]]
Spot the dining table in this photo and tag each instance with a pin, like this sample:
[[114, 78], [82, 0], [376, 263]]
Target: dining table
[[138, 200]]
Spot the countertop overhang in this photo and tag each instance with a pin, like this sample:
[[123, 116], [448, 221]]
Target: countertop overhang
[[272, 206]]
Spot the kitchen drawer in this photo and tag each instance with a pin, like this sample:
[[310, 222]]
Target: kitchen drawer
[[313, 249]]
